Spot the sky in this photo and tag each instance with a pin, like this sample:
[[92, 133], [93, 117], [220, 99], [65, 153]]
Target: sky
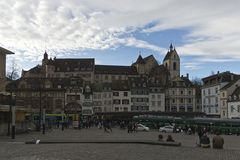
[[205, 33]]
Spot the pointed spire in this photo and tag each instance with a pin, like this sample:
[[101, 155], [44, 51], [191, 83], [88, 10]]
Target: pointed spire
[[45, 56], [140, 59], [171, 47]]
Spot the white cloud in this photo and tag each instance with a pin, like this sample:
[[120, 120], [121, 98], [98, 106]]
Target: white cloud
[[192, 65], [27, 27]]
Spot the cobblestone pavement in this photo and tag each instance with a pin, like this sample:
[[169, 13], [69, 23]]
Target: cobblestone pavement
[[16, 150]]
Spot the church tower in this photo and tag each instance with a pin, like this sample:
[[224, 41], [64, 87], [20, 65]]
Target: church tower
[[172, 62], [45, 59]]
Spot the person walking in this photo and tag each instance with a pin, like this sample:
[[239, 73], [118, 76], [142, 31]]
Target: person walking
[[217, 141]]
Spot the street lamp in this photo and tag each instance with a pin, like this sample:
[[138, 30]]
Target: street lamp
[[40, 106]]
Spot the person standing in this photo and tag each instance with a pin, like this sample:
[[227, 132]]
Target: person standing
[[217, 141]]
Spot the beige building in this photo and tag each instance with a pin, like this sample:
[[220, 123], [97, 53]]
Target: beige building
[[181, 95]]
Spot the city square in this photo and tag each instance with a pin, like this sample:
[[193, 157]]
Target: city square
[[18, 150], [119, 80]]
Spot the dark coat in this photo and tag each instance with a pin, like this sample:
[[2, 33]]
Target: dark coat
[[217, 142]]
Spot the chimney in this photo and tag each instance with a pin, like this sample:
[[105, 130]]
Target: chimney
[[187, 75], [218, 72]]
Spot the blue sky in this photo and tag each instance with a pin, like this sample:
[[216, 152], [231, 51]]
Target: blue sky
[[205, 33]]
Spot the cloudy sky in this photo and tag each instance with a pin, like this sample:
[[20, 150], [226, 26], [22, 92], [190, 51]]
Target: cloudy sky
[[205, 33]]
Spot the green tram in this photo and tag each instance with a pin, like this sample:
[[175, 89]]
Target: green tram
[[224, 126]]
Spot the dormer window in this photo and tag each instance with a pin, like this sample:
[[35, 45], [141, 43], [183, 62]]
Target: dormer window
[[229, 98], [235, 97]]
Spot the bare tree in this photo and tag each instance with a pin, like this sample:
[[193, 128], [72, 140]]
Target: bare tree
[[13, 72], [197, 81]]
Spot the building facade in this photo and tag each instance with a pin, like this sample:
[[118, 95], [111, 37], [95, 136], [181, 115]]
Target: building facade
[[233, 102], [211, 93], [143, 86]]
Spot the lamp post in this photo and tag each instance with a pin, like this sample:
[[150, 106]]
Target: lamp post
[[9, 114], [13, 122], [40, 108]]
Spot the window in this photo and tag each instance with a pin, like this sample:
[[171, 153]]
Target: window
[[223, 94], [173, 100], [216, 99], [223, 103], [125, 101], [189, 108], [209, 91], [174, 109], [153, 96], [204, 92], [106, 77], [159, 96], [116, 109], [153, 103], [232, 108], [125, 94], [189, 100], [238, 108], [116, 101], [174, 66], [181, 91], [115, 94], [189, 92], [216, 90], [182, 100], [159, 103], [181, 109], [134, 99]]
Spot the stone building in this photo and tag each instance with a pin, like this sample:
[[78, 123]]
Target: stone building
[[172, 62], [181, 95], [143, 86], [211, 93], [233, 102]]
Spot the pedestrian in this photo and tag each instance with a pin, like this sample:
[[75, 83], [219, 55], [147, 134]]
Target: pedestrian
[[170, 138], [205, 141], [217, 141], [160, 137]]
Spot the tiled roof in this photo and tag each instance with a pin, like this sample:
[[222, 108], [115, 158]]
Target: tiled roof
[[159, 70], [140, 60], [229, 84], [235, 95], [35, 70], [36, 83], [222, 77], [111, 69], [121, 85], [72, 65], [101, 87]]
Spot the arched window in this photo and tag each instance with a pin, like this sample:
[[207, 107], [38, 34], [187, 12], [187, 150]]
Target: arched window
[[174, 66]]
